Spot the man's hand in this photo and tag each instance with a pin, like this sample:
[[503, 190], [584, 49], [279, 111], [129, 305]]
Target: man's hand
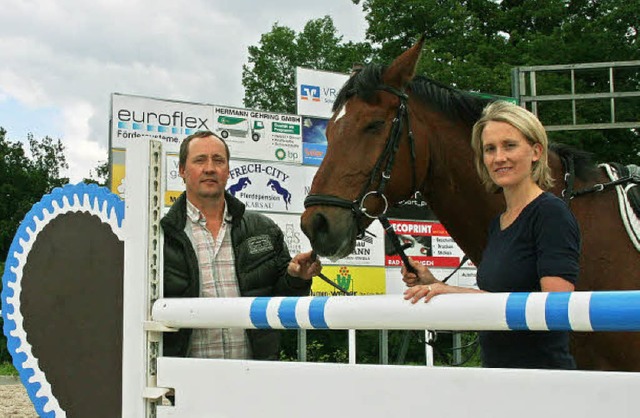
[[304, 265]]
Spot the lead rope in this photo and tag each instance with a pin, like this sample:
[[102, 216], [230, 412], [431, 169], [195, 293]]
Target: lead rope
[[395, 241], [314, 256]]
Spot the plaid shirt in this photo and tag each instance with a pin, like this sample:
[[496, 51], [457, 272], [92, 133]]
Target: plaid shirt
[[217, 280]]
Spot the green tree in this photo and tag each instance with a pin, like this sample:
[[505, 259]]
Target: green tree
[[269, 76], [99, 175], [473, 45], [24, 179]]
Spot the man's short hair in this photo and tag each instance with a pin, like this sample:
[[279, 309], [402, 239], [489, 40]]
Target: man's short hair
[[184, 146]]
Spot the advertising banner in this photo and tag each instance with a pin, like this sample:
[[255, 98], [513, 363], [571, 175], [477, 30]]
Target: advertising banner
[[369, 250], [260, 135], [249, 134], [316, 91], [135, 117], [395, 285], [358, 280], [270, 187], [467, 277], [314, 140], [261, 185], [427, 242], [295, 239]]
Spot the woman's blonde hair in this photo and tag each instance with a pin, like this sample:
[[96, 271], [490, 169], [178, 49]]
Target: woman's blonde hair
[[529, 125]]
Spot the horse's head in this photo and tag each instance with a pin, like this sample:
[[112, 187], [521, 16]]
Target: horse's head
[[370, 158]]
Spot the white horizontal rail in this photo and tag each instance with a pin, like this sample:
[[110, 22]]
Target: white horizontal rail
[[577, 311]]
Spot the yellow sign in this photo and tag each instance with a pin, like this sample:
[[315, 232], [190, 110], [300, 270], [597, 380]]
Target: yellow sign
[[358, 280], [117, 171], [170, 197]]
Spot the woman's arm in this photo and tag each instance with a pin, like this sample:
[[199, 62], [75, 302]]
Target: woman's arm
[[425, 285], [556, 284], [427, 291]]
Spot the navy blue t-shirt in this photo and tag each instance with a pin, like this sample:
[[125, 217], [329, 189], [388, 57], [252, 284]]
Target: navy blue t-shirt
[[544, 240]]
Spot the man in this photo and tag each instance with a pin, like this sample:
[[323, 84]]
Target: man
[[214, 248]]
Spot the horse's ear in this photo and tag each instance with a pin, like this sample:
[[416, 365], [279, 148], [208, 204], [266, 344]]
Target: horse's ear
[[403, 68]]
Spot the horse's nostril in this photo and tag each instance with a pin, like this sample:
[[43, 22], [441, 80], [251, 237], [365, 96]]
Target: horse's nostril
[[320, 224]]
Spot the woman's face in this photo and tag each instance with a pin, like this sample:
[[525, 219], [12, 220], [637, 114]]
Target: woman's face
[[507, 155]]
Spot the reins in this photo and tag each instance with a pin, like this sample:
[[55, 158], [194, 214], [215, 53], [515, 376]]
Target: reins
[[569, 177]]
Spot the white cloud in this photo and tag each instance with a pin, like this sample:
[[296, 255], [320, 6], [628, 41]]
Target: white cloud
[[71, 55]]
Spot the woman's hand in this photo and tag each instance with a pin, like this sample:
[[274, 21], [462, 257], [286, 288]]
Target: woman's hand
[[423, 276], [427, 291]]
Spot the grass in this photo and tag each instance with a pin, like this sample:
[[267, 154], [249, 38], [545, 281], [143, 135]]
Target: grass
[[7, 369]]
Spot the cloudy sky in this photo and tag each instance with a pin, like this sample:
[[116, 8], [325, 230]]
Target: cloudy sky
[[61, 59]]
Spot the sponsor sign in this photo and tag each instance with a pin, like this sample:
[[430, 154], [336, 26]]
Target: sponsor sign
[[316, 91], [295, 239], [173, 181], [118, 157], [357, 280], [395, 285], [270, 187], [369, 250], [467, 277], [426, 242], [314, 140], [259, 135], [261, 185], [135, 118]]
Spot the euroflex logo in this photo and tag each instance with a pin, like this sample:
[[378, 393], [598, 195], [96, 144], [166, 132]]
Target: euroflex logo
[[176, 123]]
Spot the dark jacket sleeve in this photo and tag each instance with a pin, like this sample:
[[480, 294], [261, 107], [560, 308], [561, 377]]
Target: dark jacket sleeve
[[262, 258]]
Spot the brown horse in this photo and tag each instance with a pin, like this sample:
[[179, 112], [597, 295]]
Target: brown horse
[[380, 103]]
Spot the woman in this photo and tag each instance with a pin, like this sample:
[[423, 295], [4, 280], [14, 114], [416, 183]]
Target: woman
[[533, 246]]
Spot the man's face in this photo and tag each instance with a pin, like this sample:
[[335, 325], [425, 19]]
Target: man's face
[[206, 170]]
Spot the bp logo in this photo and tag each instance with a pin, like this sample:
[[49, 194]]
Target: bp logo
[[281, 154]]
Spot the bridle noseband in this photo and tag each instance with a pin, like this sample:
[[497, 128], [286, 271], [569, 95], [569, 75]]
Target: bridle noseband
[[357, 206]]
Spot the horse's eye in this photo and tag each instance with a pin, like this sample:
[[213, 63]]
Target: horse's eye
[[374, 127]]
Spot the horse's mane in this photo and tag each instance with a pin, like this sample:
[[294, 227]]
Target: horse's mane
[[584, 167], [453, 103]]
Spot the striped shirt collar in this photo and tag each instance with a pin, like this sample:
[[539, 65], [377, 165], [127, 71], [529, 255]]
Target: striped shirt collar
[[196, 216]]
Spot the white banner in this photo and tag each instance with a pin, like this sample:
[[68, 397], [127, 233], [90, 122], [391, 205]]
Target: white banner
[[368, 252], [135, 117], [295, 239], [260, 135], [270, 187], [316, 91]]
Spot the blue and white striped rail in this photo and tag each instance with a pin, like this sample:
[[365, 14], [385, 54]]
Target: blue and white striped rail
[[576, 311]]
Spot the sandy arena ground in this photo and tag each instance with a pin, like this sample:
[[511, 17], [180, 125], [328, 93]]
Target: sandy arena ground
[[14, 401]]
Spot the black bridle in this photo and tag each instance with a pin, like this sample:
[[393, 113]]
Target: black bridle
[[386, 159]]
